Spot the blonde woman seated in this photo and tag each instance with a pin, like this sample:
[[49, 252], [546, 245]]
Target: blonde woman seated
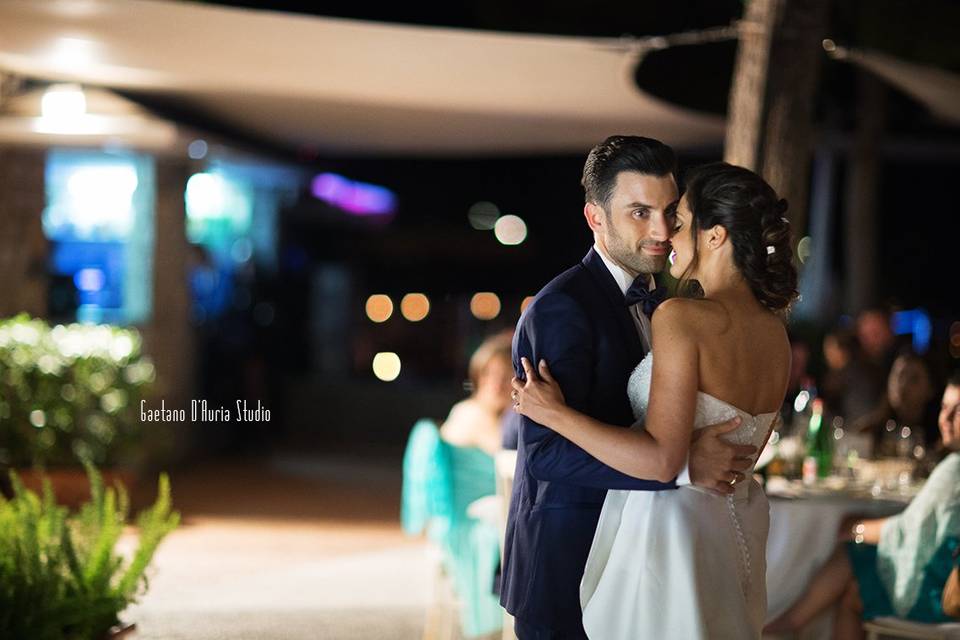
[[446, 471], [475, 421]]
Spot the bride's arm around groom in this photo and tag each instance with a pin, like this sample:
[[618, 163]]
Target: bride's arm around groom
[[558, 332], [660, 450]]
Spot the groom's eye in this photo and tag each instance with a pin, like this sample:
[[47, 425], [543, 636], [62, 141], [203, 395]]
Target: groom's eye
[[642, 213]]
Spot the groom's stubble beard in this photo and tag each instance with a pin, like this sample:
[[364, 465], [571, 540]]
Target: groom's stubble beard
[[630, 257]]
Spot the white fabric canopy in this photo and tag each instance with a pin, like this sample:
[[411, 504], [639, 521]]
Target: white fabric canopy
[[937, 89], [348, 86]]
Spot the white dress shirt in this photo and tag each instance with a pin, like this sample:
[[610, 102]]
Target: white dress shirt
[[624, 280], [644, 327]]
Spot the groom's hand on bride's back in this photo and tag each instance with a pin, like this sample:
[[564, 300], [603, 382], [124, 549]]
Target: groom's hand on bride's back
[[715, 463]]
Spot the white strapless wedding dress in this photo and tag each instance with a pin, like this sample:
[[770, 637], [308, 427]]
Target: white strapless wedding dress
[[686, 564]]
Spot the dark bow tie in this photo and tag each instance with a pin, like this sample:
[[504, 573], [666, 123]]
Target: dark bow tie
[[639, 292]]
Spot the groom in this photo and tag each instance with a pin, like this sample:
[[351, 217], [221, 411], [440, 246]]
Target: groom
[[592, 326]]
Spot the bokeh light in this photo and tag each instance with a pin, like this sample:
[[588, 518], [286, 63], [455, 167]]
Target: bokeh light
[[379, 307], [485, 305], [415, 307], [526, 303], [197, 150], [100, 199], [804, 248], [353, 197], [386, 366], [38, 418], [510, 230], [206, 195], [63, 101], [483, 215]]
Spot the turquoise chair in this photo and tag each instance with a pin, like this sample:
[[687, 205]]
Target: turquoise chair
[[440, 481]]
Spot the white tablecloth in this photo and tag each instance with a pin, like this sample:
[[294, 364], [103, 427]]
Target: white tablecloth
[[803, 534]]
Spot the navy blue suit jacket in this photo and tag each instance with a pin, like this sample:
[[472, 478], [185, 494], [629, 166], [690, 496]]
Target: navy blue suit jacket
[[580, 325]]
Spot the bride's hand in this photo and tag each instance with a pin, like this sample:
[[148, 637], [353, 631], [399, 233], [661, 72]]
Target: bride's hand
[[540, 397]]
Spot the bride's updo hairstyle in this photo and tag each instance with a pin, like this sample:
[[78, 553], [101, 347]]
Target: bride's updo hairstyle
[[749, 209]]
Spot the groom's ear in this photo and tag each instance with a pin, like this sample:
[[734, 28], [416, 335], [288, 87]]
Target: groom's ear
[[594, 215]]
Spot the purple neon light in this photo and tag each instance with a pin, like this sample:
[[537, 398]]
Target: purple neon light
[[358, 198]]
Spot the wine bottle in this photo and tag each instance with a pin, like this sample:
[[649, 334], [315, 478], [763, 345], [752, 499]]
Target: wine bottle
[[819, 441]]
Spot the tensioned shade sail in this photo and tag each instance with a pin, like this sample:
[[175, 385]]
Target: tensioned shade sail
[[347, 86], [937, 89]]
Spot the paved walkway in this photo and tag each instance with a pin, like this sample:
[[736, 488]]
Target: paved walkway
[[293, 548]]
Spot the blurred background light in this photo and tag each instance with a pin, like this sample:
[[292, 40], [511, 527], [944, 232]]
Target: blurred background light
[[379, 307], [526, 303], [510, 230], [219, 210], [358, 198], [89, 279], [415, 307], [483, 215], [102, 197], [386, 366], [804, 248], [63, 102], [38, 418], [914, 322], [485, 305], [197, 150], [206, 194], [63, 111], [242, 250]]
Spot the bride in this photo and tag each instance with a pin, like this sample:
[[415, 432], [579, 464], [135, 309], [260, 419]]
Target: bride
[[690, 563]]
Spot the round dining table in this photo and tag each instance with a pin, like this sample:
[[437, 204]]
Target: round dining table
[[803, 535]]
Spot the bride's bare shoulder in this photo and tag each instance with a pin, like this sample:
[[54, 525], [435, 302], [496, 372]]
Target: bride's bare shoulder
[[693, 315]]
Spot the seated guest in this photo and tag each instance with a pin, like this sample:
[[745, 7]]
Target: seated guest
[[894, 566], [949, 426], [842, 388], [907, 402], [476, 420], [876, 338], [446, 470], [873, 358]]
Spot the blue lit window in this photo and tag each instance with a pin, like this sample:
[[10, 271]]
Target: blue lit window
[[99, 218]]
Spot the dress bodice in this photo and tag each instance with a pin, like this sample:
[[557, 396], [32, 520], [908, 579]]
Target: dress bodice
[[710, 410], [680, 553]]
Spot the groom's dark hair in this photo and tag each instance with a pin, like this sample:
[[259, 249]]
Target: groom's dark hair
[[623, 153]]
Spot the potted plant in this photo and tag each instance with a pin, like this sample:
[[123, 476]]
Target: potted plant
[[60, 576], [70, 394]]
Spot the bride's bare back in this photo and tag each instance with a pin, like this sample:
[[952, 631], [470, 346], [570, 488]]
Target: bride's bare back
[[743, 352]]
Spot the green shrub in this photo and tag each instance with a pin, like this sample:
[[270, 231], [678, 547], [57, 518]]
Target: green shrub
[[69, 393], [60, 577]]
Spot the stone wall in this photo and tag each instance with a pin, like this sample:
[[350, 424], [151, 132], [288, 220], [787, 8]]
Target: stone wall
[[23, 247]]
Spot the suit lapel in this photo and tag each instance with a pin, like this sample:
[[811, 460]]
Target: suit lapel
[[605, 282]]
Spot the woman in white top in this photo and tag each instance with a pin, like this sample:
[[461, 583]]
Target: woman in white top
[[475, 421]]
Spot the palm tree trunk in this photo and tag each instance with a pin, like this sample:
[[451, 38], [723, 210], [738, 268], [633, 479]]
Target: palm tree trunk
[[770, 127]]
